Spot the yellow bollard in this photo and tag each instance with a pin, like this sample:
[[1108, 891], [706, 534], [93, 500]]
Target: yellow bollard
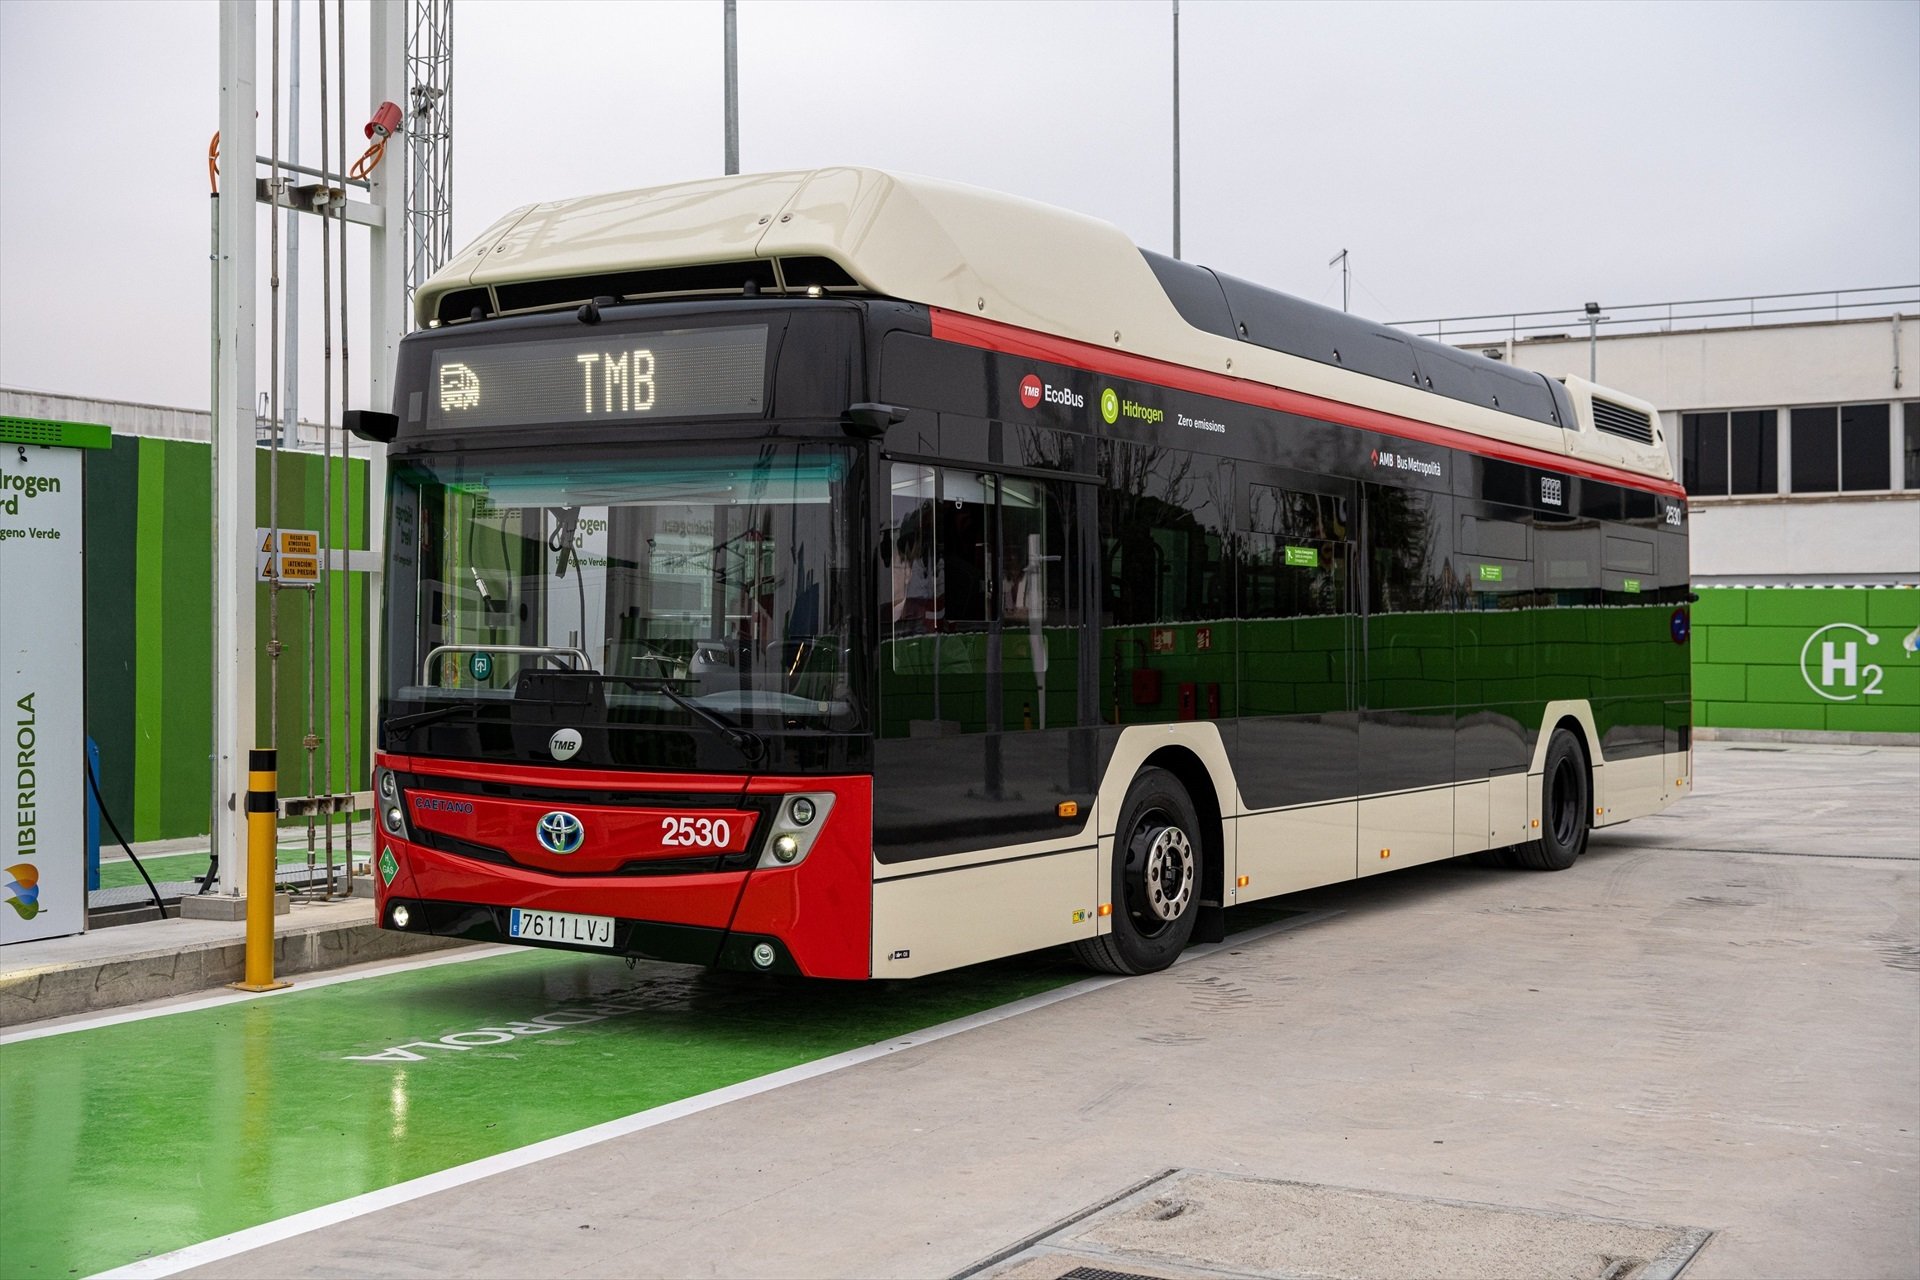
[[263, 809]]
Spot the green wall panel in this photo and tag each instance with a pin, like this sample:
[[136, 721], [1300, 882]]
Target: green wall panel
[[149, 620], [1715, 683], [1804, 607], [1749, 674], [112, 477]]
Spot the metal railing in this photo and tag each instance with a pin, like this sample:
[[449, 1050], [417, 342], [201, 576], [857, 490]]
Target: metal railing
[[1662, 317]]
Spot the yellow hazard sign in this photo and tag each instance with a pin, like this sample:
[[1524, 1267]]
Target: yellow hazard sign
[[296, 560]]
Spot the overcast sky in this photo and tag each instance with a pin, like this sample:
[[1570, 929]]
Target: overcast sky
[[1473, 157]]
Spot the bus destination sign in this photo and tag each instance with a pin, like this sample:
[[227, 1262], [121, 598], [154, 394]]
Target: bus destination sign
[[603, 375]]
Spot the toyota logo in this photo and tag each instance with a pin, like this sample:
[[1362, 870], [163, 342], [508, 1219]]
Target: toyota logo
[[559, 832]]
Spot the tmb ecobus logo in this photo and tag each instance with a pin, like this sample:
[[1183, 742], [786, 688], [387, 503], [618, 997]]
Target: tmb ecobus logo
[[1033, 391]]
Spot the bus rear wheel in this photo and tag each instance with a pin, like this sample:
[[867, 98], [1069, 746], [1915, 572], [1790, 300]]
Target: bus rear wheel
[[1566, 799], [1155, 889]]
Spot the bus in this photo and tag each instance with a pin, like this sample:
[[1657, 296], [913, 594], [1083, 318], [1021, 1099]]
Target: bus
[[854, 575]]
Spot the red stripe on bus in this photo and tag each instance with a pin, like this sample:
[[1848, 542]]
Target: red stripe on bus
[[991, 335]]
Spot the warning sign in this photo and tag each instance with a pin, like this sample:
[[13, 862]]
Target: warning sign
[[297, 561]]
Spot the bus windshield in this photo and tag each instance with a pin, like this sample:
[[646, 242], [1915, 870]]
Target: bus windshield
[[706, 588]]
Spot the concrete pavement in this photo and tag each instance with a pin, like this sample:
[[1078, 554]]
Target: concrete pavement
[[1712, 1021]]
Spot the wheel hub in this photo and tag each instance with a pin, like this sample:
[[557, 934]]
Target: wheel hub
[[1167, 878]]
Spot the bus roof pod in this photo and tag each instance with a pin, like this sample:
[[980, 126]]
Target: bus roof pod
[[994, 257]]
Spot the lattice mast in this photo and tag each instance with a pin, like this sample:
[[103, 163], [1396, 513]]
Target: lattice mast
[[429, 138]]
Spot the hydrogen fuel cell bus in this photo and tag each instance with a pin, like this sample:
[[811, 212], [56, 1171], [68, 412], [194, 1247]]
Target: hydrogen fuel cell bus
[[852, 575]]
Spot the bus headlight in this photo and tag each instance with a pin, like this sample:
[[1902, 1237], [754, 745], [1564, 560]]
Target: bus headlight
[[392, 815], [800, 819]]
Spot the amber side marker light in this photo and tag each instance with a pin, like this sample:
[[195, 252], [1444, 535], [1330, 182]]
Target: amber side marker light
[[1106, 908], [1067, 809], [1386, 853], [1243, 882]]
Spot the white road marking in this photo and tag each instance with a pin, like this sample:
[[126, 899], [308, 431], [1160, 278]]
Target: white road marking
[[328, 1215]]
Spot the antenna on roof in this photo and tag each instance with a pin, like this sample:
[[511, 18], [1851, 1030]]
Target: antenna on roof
[[1341, 258]]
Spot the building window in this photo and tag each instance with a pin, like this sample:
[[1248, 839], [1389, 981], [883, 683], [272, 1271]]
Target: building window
[[1912, 452], [1841, 449], [1730, 453]]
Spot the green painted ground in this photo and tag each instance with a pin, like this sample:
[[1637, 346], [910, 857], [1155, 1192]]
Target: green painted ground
[[120, 872], [174, 866], [127, 1141]]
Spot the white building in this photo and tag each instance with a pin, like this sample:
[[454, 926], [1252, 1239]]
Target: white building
[[1799, 442]]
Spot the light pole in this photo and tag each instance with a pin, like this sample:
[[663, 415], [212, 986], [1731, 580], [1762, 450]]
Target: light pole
[[733, 89], [1593, 340], [1176, 128]]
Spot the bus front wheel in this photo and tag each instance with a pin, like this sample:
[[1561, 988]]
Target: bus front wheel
[[1155, 889]]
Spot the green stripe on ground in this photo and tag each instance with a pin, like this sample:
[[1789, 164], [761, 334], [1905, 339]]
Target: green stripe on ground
[[126, 1141]]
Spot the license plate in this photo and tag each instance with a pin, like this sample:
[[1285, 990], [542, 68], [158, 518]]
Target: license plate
[[560, 926]]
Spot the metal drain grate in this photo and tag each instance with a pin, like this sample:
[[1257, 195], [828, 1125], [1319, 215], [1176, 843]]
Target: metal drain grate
[[1192, 1222]]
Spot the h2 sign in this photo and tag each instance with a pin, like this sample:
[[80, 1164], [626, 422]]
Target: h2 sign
[[1830, 663]]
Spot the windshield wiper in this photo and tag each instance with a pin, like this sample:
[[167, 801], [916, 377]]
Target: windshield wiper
[[406, 724], [745, 741]]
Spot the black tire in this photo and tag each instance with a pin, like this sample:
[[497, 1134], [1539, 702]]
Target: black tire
[[1566, 808], [1158, 860]]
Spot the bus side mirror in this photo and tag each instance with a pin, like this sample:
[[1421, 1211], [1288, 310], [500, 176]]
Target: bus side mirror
[[869, 419], [371, 424]]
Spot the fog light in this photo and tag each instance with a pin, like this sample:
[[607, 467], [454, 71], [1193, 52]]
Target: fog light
[[763, 955], [785, 848], [389, 789], [802, 811], [401, 915], [394, 821]]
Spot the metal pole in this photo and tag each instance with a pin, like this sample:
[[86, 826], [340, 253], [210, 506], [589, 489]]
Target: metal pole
[[733, 88], [276, 189], [1593, 348], [290, 430], [1176, 128], [234, 595], [387, 311], [1341, 258], [326, 583]]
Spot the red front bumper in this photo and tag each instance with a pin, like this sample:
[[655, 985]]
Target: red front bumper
[[818, 911]]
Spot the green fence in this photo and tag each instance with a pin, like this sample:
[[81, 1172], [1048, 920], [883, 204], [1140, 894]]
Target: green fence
[[149, 620], [1838, 659]]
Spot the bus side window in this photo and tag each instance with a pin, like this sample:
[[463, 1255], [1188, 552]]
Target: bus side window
[[975, 608]]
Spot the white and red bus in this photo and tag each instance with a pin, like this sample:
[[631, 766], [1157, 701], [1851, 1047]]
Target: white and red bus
[[858, 576]]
